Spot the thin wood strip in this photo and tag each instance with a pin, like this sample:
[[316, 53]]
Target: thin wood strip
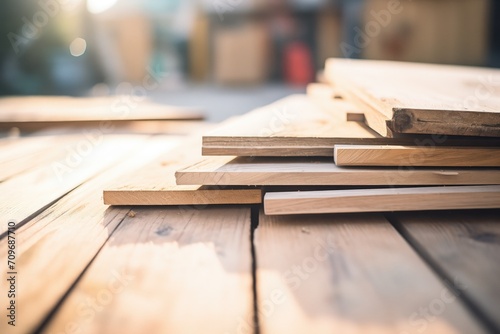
[[225, 171], [465, 245], [380, 200], [388, 155], [183, 195], [348, 274], [189, 270]]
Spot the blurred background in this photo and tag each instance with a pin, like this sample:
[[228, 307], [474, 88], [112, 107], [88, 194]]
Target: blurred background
[[227, 56]]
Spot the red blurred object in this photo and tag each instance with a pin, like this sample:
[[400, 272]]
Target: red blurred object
[[298, 68]]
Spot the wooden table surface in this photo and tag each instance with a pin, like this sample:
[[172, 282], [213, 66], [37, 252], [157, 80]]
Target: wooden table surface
[[82, 267]]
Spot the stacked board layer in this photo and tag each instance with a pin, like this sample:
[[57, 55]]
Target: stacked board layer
[[421, 98], [298, 126]]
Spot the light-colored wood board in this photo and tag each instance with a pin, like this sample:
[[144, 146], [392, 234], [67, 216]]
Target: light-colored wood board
[[181, 272], [390, 155], [376, 123], [226, 171], [380, 200], [21, 164], [348, 274], [320, 90], [423, 98], [292, 116], [388, 73], [19, 147], [27, 194], [55, 247], [40, 151], [466, 245], [298, 126], [70, 109], [154, 184], [7, 139], [440, 38], [328, 97], [182, 195], [172, 127]]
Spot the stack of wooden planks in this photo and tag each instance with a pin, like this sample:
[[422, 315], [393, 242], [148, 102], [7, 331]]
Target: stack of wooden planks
[[82, 267], [373, 137]]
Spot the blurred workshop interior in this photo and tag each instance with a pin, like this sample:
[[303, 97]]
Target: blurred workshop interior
[[228, 56]]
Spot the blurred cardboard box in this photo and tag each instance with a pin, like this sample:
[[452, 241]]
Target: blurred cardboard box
[[437, 31], [241, 54], [125, 45], [199, 46]]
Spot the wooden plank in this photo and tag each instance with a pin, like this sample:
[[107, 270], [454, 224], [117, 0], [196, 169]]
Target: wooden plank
[[298, 126], [466, 246], [380, 200], [320, 172], [423, 98], [348, 274], [54, 248], [179, 272], [324, 95], [51, 145], [389, 155], [26, 195], [21, 111], [327, 97], [172, 127], [154, 184], [24, 163], [19, 147]]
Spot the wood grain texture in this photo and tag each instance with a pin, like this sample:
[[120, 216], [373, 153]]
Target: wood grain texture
[[27, 194], [15, 111], [21, 154], [466, 245], [388, 155], [178, 271], [422, 98], [379, 200], [56, 246], [154, 184], [32, 152], [299, 126], [348, 274], [327, 97], [321, 172], [440, 38], [172, 127]]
